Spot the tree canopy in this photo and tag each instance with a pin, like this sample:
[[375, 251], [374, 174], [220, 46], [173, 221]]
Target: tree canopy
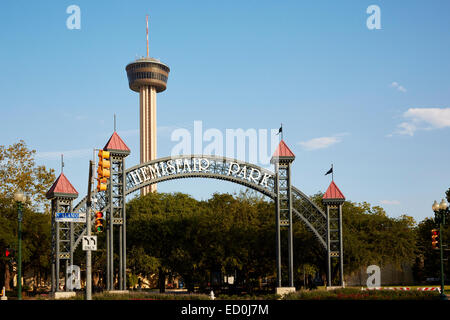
[[236, 235], [18, 170]]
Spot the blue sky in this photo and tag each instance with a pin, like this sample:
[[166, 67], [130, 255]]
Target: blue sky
[[375, 103]]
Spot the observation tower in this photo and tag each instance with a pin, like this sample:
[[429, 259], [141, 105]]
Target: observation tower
[[148, 76]]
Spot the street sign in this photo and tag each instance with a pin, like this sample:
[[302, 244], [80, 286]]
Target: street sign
[[70, 217], [89, 243]]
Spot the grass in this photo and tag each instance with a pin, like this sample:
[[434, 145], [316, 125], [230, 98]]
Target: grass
[[358, 294], [144, 296], [349, 293], [248, 297], [173, 296]]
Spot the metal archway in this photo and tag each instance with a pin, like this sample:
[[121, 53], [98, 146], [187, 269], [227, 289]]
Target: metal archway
[[303, 207], [124, 182]]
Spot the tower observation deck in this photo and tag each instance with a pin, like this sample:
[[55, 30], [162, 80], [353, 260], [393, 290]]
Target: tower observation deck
[[147, 76]]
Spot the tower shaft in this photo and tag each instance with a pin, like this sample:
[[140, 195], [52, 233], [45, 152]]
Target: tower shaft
[[147, 95], [148, 76]]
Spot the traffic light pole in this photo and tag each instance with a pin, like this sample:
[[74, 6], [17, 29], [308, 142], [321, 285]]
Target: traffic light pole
[[442, 221], [88, 233]]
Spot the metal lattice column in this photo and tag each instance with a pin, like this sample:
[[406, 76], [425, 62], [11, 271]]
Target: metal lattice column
[[283, 211], [334, 239], [284, 217], [116, 216], [62, 239]]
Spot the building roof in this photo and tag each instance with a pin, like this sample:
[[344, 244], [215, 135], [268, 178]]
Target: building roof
[[333, 193], [148, 59], [283, 152], [115, 143], [62, 187]]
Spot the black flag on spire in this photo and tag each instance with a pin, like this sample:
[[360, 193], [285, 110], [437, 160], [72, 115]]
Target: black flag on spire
[[331, 171], [280, 131]]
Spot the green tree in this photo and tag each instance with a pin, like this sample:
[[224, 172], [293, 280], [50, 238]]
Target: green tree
[[371, 237], [19, 170], [141, 263], [235, 235]]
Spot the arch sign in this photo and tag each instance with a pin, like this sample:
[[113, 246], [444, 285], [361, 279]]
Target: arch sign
[[191, 166]]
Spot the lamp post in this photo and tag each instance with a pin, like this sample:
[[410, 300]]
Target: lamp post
[[20, 198], [440, 210]]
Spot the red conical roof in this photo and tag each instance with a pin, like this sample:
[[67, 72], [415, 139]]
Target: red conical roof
[[333, 192], [62, 187], [115, 143], [283, 152]]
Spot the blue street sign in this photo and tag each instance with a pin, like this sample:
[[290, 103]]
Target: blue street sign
[[70, 217]]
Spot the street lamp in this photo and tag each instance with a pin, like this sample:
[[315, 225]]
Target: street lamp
[[435, 206], [440, 210], [20, 198], [443, 205]]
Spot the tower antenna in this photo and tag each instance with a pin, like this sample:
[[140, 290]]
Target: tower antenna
[[62, 163], [114, 122], [147, 33]]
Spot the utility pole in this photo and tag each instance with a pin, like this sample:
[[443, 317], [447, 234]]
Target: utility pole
[[88, 233]]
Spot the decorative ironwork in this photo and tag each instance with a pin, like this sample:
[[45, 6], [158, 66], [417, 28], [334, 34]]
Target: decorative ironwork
[[124, 182], [308, 212]]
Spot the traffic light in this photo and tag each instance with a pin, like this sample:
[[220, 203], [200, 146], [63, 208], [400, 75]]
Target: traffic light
[[99, 221], [7, 252], [435, 238], [103, 171], [101, 186]]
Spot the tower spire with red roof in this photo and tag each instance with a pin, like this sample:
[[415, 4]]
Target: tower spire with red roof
[[333, 193], [115, 144], [282, 160], [334, 200], [282, 153], [62, 188]]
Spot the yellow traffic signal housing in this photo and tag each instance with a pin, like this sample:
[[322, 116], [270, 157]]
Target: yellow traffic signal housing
[[103, 171], [104, 163], [103, 154], [101, 186], [435, 238], [99, 221]]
